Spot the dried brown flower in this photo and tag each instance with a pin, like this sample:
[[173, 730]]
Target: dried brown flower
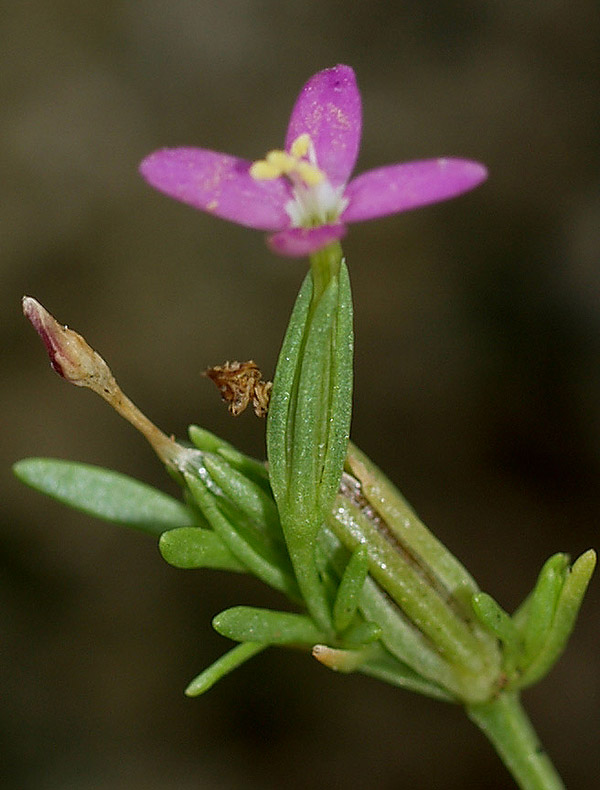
[[240, 383]]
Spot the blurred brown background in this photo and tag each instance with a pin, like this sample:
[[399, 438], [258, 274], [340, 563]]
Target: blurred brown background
[[477, 378]]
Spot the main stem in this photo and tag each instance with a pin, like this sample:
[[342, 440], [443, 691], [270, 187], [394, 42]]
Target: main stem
[[507, 726]]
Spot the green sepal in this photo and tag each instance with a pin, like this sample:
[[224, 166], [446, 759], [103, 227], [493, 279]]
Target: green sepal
[[234, 658], [105, 494], [402, 639], [194, 547], [387, 501], [308, 424], [307, 433], [348, 594], [339, 410], [250, 624], [421, 602], [283, 395], [569, 602], [249, 546]]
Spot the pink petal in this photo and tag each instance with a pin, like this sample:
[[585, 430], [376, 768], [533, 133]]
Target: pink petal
[[329, 110], [297, 242], [219, 184], [396, 188]]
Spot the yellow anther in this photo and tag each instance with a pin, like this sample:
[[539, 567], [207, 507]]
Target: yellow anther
[[264, 171], [279, 163], [310, 174], [284, 162], [301, 146]]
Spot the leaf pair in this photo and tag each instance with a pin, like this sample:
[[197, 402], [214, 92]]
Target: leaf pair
[[536, 635]]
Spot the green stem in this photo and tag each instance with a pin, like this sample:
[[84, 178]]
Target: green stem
[[324, 265], [507, 726]]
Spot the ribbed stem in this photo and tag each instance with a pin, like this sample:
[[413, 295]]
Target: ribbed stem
[[507, 726]]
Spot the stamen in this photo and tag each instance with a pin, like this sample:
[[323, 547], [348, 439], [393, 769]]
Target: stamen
[[310, 174], [264, 171], [298, 165], [301, 146], [281, 160]]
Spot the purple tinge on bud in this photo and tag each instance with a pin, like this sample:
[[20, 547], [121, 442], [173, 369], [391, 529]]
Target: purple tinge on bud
[[70, 355], [45, 325]]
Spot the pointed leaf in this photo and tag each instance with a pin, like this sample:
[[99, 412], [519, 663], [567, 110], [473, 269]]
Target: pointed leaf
[[105, 494], [535, 617], [348, 594], [223, 666]]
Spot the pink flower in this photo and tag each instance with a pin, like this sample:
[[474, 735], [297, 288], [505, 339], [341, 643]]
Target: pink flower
[[303, 194]]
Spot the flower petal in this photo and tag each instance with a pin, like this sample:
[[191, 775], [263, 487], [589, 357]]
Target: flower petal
[[396, 188], [297, 242], [220, 184], [329, 110]]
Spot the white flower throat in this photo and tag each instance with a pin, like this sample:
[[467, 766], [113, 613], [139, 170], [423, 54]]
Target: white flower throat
[[315, 202]]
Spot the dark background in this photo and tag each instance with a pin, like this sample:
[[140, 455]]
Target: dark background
[[477, 377]]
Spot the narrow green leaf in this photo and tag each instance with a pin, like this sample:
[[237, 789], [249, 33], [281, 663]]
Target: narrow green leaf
[[348, 594], [105, 494], [498, 622], [206, 441], [534, 619], [223, 666], [245, 544], [250, 624], [569, 603], [194, 547], [245, 494], [251, 468]]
